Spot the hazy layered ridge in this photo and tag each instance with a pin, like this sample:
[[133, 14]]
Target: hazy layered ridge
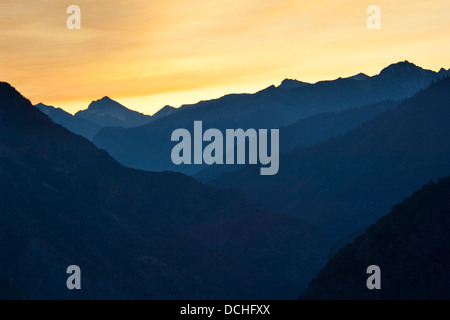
[[134, 234], [78, 126], [349, 182], [149, 147], [309, 131], [101, 113]]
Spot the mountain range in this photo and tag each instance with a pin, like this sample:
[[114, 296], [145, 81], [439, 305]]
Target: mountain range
[[109, 113], [348, 182], [134, 234], [101, 113], [351, 150], [148, 147]]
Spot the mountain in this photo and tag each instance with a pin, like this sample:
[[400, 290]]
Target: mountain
[[349, 182], [164, 112], [359, 76], [134, 234], [308, 131], [411, 246], [106, 112], [79, 126], [149, 147], [101, 113], [291, 84]]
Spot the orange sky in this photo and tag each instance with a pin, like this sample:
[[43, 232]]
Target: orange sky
[[146, 54]]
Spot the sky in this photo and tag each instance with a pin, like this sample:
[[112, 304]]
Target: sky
[[147, 54]]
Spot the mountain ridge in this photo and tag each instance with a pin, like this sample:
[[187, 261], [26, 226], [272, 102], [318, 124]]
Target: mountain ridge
[[106, 112], [100, 113], [346, 183], [83, 127], [269, 108], [309, 131], [134, 234]]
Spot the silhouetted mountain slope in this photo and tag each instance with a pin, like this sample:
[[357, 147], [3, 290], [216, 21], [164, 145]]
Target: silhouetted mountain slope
[[147, 147], [411, 246], [164, 112], [79, 126], [134, 234], [102, 113], [349, 182], [322, 127], [359, 76], [309, 131], [109, 113]]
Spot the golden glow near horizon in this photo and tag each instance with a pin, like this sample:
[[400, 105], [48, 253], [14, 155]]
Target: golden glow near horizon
[[146, 54]]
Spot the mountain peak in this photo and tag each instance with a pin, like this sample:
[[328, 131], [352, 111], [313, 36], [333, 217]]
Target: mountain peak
[[360, 76], [105, 103], [164, 112], [402, 68], [291, 84], [107, 112], [106, 99], [6, 90]]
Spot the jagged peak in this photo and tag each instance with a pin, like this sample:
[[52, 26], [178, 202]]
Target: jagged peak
[[11, 98], [17, 108], [103, 101], [167, 107], [401, 67], [291, 84], [106, 99], [6, 85], [44, 108], [104, 104], [40, 104]]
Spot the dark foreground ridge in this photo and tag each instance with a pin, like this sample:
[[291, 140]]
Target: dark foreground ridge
[[411, 246]]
